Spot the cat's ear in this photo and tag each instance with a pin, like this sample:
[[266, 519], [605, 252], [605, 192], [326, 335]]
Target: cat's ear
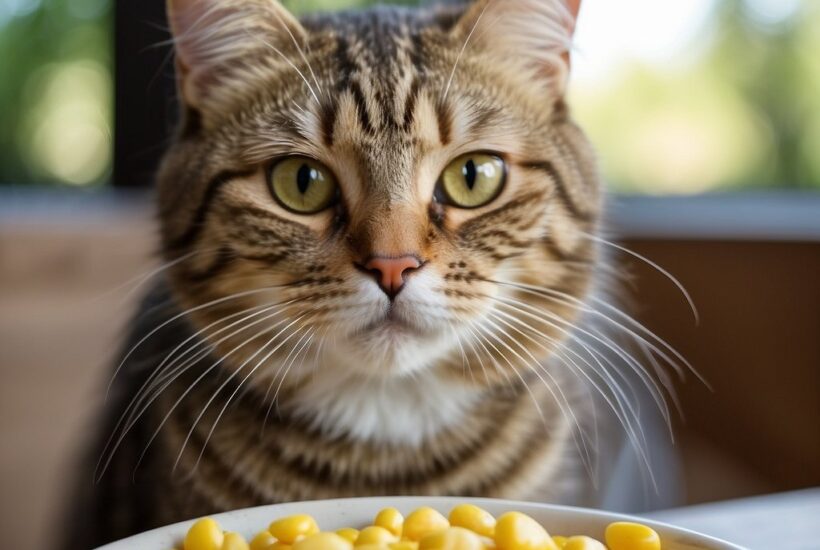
[[216, 38], [533, 35]]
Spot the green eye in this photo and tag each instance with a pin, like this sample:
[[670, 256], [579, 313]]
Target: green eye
[[474, 180], [303, 185]]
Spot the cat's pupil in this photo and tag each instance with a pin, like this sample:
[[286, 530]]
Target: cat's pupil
[[303, 178], [470, 174]]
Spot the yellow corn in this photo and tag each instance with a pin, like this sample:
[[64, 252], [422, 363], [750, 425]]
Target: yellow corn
[[423, 522], [234, 541], [583, 543], [467, 528], [473, 518], [454, 538], [262, 541], [205, 534], [631, 536], [516, 531], [323, 541], [348, 533], [391, 519], [375, 535], [289, 529]]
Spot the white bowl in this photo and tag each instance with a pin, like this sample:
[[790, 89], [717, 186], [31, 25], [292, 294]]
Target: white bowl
[[358, 512]]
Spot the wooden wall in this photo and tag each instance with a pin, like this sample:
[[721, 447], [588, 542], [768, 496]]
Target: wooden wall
[[758, 345]]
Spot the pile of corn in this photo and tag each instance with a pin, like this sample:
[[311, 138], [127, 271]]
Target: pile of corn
[[467, 528]]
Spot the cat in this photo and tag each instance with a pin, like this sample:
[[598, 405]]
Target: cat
[[380, 229]]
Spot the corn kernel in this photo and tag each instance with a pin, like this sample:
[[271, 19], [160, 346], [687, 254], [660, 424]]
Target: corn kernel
[[323, 541], [375, 535], [516, 531], [560, 542], [583, 543], [624, 535], [234, 541], [348, 533], [289, 529], [279, 546], [454, 538], [391, 519], [473, 518], [205, 534], [423, 522], [262, 541], [404, 545]]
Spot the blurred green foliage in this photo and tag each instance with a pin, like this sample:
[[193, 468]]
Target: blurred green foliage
[[55, 91], [743, 111]]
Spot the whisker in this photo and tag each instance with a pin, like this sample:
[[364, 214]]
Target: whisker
[[637, 436], [289, 62], [138, 281], [160, 376], [134, 415], [649, 262], [301, 52], [464, 362], [568, 413], [288, 361], [571, 332], [567, 299], [190, 388], [463, 49], [224, 385], [130, 411], [179, 316], [281, 383]]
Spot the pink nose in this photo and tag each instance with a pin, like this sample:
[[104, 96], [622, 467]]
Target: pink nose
[[390, 272]]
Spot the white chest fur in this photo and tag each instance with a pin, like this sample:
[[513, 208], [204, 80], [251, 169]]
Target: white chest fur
[[395, 410]]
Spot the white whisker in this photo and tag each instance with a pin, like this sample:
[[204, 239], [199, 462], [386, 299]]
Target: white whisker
[[236, 390], [649, 262]]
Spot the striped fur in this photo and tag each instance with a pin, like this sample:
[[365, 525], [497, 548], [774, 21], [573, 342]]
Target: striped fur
[[333, 398]]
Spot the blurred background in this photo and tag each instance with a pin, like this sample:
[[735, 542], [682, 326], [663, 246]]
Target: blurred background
[[706, 115]]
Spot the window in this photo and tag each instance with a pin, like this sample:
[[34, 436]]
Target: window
[[679, 97]]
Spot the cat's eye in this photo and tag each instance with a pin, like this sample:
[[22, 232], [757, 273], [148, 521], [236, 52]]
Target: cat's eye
[[473, 180], [303, 185]]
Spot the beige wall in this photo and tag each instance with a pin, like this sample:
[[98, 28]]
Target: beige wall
[[58, 331]]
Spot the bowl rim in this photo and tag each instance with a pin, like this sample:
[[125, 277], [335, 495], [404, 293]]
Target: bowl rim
[[177, 530]]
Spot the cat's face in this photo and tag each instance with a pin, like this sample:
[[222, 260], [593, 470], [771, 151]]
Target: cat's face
[[363, 192]]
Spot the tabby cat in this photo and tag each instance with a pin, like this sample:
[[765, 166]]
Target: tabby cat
[[380, 233]]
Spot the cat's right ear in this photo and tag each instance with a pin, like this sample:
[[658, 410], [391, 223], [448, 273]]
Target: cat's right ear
[[531, 37], [217, 40]]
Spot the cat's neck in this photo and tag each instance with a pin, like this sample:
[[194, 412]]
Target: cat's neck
[[405, 410], [499, 444]]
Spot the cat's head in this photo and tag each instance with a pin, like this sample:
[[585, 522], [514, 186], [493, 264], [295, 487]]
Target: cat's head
[[378, 192]]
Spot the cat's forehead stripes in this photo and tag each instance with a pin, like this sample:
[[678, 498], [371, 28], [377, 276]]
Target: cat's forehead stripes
[[376, 58]]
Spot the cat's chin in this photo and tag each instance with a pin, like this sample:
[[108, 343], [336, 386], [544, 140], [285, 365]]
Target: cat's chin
[[394, 325], [390, 347]]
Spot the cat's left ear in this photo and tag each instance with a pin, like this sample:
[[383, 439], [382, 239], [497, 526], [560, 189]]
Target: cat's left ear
[[535, 36]]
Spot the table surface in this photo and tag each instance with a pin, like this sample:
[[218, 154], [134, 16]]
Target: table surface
[[786, 521]]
